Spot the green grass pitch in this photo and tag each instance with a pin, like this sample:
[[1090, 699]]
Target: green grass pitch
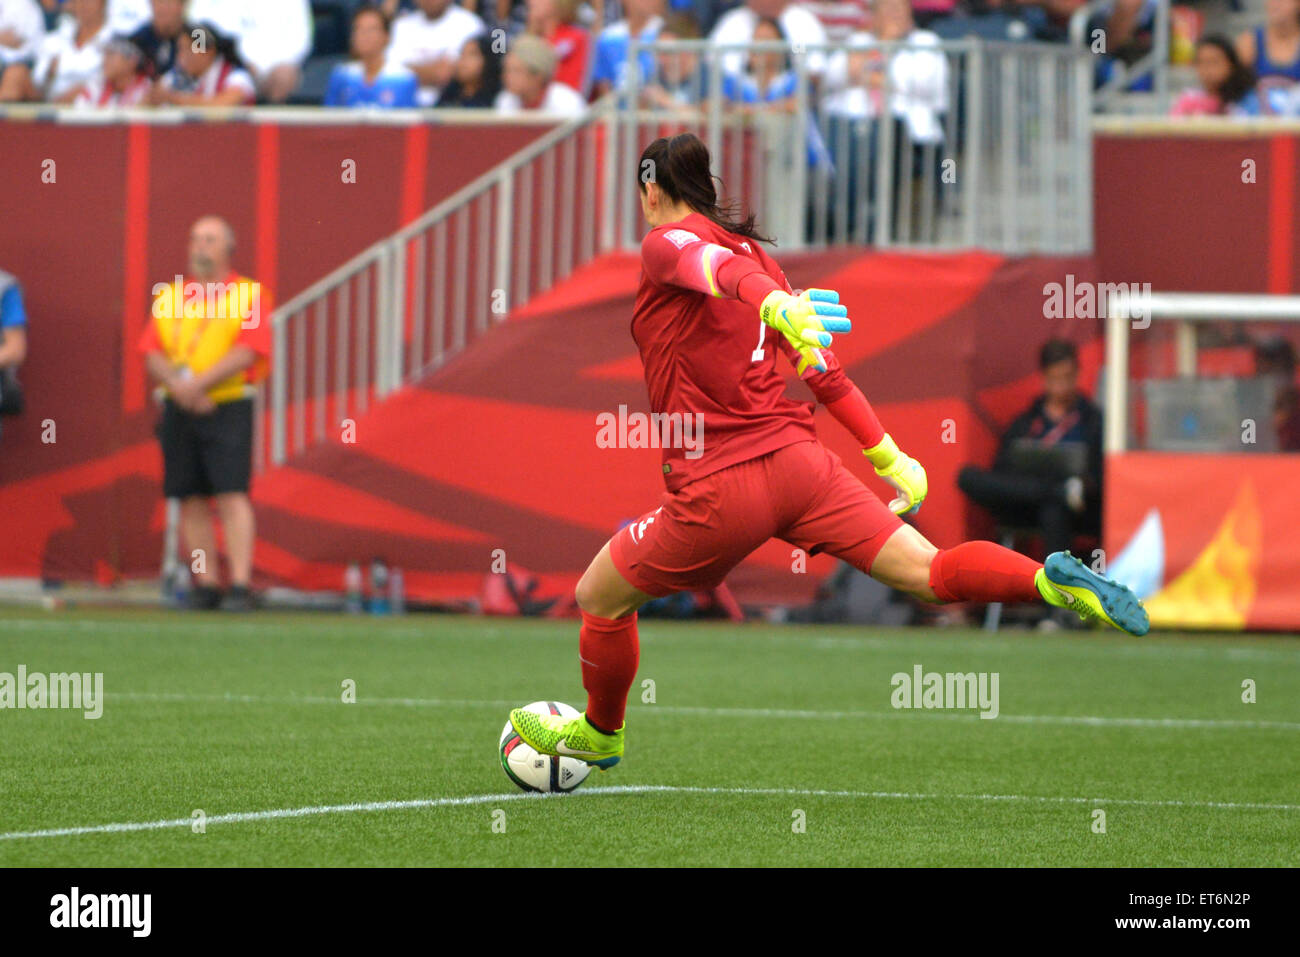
[[754, 730]]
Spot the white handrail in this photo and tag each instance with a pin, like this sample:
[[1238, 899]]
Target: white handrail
[[1124, 313]]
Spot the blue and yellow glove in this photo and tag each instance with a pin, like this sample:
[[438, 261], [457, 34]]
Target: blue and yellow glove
[[901, 471], [806, 321]]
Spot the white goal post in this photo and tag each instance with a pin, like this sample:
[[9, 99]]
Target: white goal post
[[1138, 310]]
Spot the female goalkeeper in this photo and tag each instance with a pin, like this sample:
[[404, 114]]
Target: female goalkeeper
[[712, 312]]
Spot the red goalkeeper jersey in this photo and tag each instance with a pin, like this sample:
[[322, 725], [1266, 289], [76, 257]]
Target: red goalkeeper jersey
[[717, 396]]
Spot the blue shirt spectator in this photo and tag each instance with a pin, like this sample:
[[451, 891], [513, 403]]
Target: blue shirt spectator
[[614, 42], [372, 79], [12, 313], [13, 343], [392, 88]]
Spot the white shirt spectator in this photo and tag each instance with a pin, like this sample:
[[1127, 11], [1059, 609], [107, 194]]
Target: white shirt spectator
[[64, 65], [24, 18], [918, 85], [218, 78], [97, 94], [267, 33], [127, 16], [840, 18], [417, 40], [559, 99], [800, 27]]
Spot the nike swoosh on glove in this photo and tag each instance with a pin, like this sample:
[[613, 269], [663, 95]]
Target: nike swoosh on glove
[[806, 321]]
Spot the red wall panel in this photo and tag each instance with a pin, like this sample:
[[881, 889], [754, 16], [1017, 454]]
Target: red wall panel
[[1172, 209]]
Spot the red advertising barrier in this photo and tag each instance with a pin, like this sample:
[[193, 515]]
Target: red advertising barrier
[[94, 215], [496, 453], [1207, 541]]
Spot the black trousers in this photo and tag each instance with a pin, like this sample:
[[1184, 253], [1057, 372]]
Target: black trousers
[[1030, 501]]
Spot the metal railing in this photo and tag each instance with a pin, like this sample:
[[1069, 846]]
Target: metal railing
[[1154, 64], [959, 144], [992, 151], [408, 303]]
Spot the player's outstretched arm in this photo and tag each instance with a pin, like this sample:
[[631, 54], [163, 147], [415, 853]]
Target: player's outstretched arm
[[678, 257]]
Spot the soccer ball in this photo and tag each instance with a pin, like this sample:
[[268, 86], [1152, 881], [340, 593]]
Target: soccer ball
[[540, 772]]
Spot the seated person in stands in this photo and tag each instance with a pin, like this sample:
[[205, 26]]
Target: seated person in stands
[[13, 343], [476, 80], [121, 81], [529, 79], [1273, 50], [207, 73], [1059, 506], [679, 79], [1224, 81], [370, 79]]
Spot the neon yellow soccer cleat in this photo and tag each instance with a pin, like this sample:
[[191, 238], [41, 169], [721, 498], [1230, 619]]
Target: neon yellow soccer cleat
[[568, 737], [1066, 582]]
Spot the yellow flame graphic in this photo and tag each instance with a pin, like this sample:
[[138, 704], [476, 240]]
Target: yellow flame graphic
[[1219, 588]]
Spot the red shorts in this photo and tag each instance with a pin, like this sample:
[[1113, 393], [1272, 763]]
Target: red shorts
[[801, 494]]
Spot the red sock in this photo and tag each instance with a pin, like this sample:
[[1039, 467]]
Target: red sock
[[983, 571], [609, 652]]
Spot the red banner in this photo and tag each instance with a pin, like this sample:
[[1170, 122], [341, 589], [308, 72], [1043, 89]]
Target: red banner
[[1207, 541]]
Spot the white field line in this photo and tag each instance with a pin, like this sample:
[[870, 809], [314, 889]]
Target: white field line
[[243, 817], [1099, 721]]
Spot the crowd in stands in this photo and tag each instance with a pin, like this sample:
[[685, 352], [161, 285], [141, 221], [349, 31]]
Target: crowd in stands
[[557, 56], [1257, 74]]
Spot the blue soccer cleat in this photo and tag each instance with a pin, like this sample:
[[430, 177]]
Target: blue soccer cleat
[[1066, 582]]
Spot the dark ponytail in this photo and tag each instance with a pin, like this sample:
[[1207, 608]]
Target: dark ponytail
[[679, 165]]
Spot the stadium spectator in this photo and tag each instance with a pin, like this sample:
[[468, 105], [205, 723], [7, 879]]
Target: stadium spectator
[[71, 55], [914, 78], [927, 12], [1057, 505], [158, 38], [994, 20], [207, 342], [22, 28], [800, 27], [1049, 21], [1275, 358], [127, 16], [13, 343], [476, 81], [644, 20], [370, 79], [1225, 82], [272, 38], [768, 80], [553, 21], [840, 18], [770, 83], [868, 86], [429, 40], [1273, 50], [680, 80], [529, 80], [121, 81], [207, 73]]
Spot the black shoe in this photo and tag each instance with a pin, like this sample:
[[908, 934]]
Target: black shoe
[[203, 598], [239, 598]]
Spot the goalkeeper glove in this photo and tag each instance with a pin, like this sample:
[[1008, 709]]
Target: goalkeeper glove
[[806, 321], [901, 471]]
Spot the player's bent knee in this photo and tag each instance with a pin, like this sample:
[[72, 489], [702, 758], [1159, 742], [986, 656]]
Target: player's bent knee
[[596, 596]]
